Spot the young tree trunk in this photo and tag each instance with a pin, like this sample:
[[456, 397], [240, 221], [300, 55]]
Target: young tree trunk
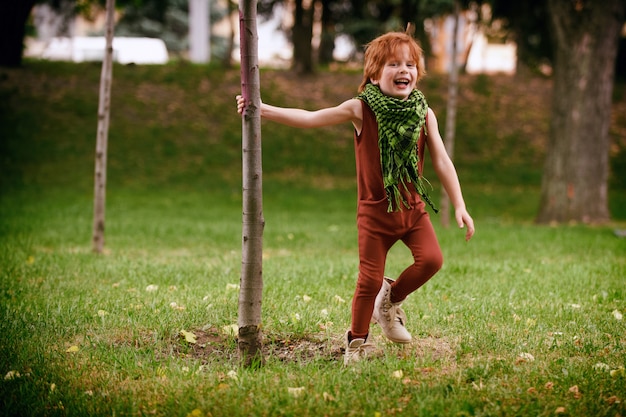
[[453, 88], [104, 111], [575, 177], [251, 282]]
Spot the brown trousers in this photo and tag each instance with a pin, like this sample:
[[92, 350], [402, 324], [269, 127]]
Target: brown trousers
[[378, 231]]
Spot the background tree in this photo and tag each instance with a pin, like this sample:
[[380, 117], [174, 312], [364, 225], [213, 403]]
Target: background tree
[[13, 17], [104, 113], [528, 21], [302, 36], [576, 171], [450, 127], [584, 44]]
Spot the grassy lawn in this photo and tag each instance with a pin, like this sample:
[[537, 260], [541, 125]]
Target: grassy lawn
[[524, 320]]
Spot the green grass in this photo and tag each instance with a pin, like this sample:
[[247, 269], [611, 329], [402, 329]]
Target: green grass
[[523, 320]]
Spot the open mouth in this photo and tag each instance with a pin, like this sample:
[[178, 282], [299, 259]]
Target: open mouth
[[402, 82]]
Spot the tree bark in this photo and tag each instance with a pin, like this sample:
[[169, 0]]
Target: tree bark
[[575, 178], [327, 42], [13, 17], [251, 282], [104, 111], [302, 35]]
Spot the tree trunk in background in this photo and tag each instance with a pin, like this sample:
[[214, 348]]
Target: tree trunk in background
[[575, 177], [302, 35], [227, 59], [327, 41], [13, 17], [251, 282], [453, 88], [104, 112], [199, 31]]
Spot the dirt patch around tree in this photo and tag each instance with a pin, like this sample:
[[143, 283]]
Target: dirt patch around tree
[[211, 344]]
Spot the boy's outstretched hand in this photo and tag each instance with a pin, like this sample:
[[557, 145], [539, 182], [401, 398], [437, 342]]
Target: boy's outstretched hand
[[464, 219]]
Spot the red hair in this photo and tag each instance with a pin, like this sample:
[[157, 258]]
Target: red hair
[[378, 52]]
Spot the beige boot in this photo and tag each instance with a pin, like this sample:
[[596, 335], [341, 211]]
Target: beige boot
[[390, 316], [356, 349]]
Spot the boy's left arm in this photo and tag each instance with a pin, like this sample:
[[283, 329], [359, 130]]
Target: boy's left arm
[[447, 175]]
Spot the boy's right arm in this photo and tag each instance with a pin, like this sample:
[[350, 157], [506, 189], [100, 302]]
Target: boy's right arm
[[348, 111]]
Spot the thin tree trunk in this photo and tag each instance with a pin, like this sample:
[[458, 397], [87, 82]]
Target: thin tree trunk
[[575, 178], [251, 282], [104, 111], [453, 88]]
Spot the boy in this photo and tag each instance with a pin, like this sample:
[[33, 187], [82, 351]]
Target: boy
[[388, 117]]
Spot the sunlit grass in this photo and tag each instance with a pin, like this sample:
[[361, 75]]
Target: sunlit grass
[[522, 320]]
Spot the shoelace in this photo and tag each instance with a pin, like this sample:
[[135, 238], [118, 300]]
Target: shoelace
[[398, 313], [362, 350]]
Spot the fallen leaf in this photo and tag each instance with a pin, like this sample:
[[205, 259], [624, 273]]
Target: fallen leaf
[[524, 357], [72, 349], [600, 366], [398, 374], [617, 372], [231, 329], [575, 392], [295, 391], [560, 410], [189, 336], [195, 413], [12, 375]]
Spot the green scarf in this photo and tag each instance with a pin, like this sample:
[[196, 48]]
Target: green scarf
[[399, 125]]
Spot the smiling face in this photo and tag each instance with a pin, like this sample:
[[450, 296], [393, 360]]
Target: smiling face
[[394, 62], [399, 75]]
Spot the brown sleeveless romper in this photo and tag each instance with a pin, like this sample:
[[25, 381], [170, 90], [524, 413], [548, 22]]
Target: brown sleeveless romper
[[379, 230]]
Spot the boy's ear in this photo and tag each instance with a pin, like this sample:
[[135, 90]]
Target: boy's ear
[[375, 82]]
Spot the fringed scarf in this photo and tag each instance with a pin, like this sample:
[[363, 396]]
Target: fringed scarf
[[399, 125]]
